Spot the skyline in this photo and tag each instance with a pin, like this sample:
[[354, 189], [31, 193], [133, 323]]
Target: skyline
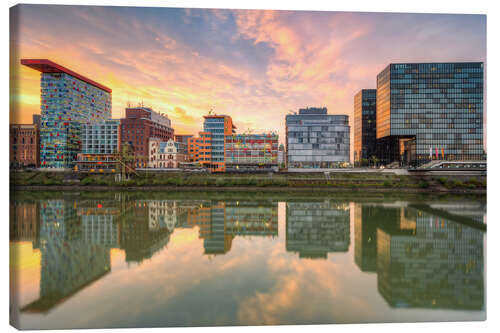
[[254, 65]]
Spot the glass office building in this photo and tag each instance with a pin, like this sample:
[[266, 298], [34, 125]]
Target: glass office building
[[365, 108], [218, 127], [315, 139], [67, 100], [430, 111], [101, 138]]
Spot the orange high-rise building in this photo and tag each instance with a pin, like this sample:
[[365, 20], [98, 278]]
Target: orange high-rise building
[[209, 148]]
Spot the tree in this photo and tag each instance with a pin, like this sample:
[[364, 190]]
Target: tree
[[126, 160], [374, 160]]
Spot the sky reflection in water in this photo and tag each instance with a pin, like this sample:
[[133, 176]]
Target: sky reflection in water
[[113, 260]]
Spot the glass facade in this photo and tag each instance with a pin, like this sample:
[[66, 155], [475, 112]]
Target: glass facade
[[215, 126], [252, 149], [430, 111], [215, 129], [365, 102], [315, 139], [101, 138]]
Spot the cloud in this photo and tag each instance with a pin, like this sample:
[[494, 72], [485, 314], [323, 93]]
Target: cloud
[[253, 65]]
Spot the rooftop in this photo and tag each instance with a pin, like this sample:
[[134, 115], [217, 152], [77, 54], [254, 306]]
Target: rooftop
[[47, 66]]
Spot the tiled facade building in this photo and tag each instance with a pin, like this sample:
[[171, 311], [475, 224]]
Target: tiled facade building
[[430, 111], [68, 99], [315, 139], [24, 145], [365, 140], [139, 125]]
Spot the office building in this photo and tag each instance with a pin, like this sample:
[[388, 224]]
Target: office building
[[251, 151], [101, 144], [67, 100], [139, 125], [184, 138], [430, 111], [281, 156], [24, 145], [215, 129], [315, 139], [365, 108]]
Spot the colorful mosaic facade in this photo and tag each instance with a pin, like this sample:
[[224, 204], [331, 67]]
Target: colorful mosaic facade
[[67, 100], [252, 149]]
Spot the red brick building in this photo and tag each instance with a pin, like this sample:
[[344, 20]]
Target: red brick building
[[24, 145], [139, 125]]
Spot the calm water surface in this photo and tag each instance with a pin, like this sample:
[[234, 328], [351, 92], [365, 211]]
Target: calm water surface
[[146, 260]]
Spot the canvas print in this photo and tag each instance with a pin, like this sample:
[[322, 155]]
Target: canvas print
[[221, 167]]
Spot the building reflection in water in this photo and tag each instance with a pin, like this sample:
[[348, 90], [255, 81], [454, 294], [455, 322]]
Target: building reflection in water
[[313, 229], [24, 220], [220, 222], [68, 261], [422, 257], [141, 233], [422, 260], [75, 237]]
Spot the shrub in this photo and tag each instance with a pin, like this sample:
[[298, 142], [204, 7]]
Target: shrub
[[143, 181], [49, 182], [387, 183], [442, 180], [86, 181], [423, 184]]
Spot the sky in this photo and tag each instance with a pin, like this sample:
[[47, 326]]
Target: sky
[[254, 65]]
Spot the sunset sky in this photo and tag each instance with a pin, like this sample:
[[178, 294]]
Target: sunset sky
[[255, 66]]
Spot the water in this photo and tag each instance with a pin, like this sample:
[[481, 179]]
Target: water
[[155, 259]]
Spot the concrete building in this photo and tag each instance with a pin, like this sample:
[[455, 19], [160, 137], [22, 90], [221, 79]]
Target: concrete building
[[365, 139], [139, 125], [169, 154], [429, 111], [315, 139], [251, 151], [199, 148], [184, 138], [24, 145], [67, 100]]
